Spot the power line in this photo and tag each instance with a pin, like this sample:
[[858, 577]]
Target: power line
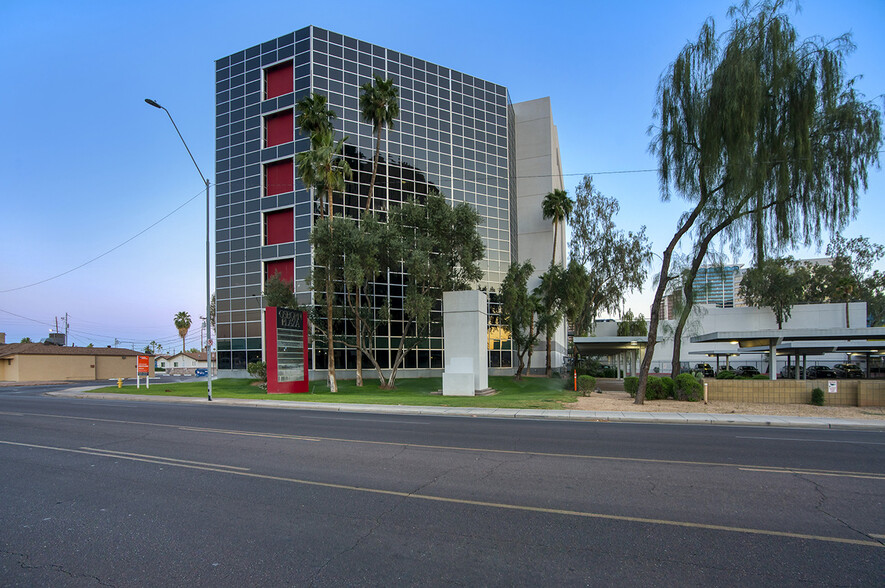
[[112, 249]]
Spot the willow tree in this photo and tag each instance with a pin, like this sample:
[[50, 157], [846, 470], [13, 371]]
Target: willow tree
[[379, 105], [755, 117]]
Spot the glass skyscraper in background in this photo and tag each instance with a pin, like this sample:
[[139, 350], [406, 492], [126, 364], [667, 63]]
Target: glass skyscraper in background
[[456, 134]]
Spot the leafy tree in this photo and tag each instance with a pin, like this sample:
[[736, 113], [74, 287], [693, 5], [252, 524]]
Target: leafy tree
[[778, 284], [518, 310], [182, 321], [616, 261], [557, 206], [757, 119], [365, 256], [26, 340], [325, 274], [440, 250], [632, 326], [90, 346], [280, 293], [379, 104], [551, 295], [855, 258]]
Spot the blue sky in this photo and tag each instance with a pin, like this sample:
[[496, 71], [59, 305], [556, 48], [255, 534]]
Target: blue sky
[[85, 164]]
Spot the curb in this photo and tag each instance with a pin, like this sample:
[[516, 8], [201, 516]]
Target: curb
[[518, 413]]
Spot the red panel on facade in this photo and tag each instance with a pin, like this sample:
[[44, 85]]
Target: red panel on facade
[[279, 178], [279, 227], [286, 344], [284, 267], [280, 128], [278, 80]]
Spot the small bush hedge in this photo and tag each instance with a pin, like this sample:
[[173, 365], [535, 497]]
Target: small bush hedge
[[586, 384], [654, 388], [760, 377], [817, 397], [688, 388], [631, 385], [725, 375], [258, 369], [667, 383]]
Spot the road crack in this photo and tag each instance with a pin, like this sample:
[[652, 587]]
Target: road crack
[[23, 563]]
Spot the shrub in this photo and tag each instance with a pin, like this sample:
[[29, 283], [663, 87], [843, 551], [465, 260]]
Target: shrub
[[258, 369], [586, 384], [725, 375], [760, 377], [654, 389], [667, 383], [631, 385], [817, 397], [688, 388]]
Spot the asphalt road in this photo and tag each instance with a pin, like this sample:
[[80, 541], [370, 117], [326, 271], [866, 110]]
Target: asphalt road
[[122, 493]]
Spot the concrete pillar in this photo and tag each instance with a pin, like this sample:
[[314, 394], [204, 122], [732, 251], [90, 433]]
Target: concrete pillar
[[772, 361], [465, 334]]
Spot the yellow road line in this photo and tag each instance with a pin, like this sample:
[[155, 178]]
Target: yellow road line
[[812, 473], [111, 453], [480, 503], [455, 448], [871, 475]]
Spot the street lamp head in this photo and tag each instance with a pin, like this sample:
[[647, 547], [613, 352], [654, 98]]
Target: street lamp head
[[153, 103]]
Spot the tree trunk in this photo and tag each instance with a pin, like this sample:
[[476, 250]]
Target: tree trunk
[[359, 340], [548, 368], [555, 228], [655, 314], [333, 382], [374, 169], [531, 347], [847, 322]]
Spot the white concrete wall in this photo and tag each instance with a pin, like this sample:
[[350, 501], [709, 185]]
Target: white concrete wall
[[538, 172], [710, 319]]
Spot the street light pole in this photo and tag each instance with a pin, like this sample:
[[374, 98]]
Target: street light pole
[[208, 266]]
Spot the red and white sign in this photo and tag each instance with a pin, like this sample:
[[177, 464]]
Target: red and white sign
[[144, 365]]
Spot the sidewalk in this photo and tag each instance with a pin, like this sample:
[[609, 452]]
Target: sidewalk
[[565, 415]]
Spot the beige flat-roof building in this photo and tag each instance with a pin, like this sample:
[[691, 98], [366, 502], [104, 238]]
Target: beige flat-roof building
[[38, 362]]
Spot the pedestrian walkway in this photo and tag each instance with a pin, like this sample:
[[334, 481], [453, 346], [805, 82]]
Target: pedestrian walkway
[[504, 413]]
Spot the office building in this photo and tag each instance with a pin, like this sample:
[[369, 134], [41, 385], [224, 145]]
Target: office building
[[456, 134]]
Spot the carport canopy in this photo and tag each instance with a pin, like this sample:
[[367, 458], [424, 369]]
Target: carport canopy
[[777, 339], [611, 346]]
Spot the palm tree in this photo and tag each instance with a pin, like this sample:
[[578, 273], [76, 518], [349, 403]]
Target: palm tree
[[379, 104], [314, 115], [324, 166], [182, 322], [557, 206]]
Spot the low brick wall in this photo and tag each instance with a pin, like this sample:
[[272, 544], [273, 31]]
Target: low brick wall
[[848, 392]]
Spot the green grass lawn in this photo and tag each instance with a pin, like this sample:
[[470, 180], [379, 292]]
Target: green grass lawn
[[531, 392]]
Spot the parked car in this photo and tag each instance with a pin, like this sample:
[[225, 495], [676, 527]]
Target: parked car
[[705, 369], [821, 372], [746, 371], [789, 373], [848, 370]]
